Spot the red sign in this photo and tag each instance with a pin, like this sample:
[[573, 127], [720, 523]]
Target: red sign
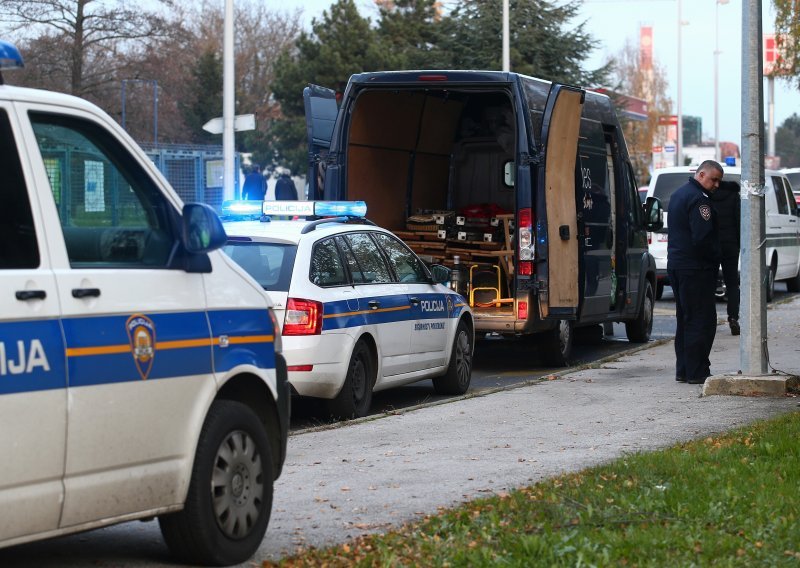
[[658, 149], [773, 53], [646, 47], [668, 120]]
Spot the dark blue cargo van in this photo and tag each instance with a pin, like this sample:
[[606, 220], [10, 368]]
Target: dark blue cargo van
[[547, 165]]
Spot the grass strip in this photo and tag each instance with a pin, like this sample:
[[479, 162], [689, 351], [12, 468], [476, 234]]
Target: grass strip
[[727, 500]]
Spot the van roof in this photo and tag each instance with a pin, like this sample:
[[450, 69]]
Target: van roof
[[736, 170]]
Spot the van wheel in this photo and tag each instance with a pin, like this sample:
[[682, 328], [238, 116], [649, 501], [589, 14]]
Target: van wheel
[[639, 330], [355, 398], [771, 281], [793, 284], [557, 344], [229, 501], [659, 290], [459, 372]]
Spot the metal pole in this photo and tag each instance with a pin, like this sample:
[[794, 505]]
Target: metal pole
[[155, 113], [228, 162], [506, 41], [679, 142], [123, 104], [752, 342]]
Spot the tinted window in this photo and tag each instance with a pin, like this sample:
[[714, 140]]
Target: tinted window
[[370, 268], [407, 266], [666, 184], [18, 247], [270, 264], [327, 268], [780, 195], [794, 180], [111, 212]]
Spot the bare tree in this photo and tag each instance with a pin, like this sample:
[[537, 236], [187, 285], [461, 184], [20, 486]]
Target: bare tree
[[650, 85], [83, 37]]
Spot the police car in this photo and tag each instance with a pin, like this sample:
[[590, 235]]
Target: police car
[[140, 368], [359, 311]]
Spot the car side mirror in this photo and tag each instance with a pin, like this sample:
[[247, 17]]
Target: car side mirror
[[653, 214], [202, 230]]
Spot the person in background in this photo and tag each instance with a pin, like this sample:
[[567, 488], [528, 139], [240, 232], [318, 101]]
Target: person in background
[[728, 206], [255, 186], [285, 189], [693, 257]]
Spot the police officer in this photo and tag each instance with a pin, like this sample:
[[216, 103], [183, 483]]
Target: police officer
[[693, 257]]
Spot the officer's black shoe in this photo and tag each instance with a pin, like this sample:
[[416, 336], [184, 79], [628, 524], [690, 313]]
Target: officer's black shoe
[[699, 381], [733, 323], [680, 379]]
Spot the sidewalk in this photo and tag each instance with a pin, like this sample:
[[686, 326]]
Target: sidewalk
[[381, 472], [367, 477]]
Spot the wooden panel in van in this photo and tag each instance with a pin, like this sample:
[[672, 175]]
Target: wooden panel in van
[[387, 119], [379, 177], [439, 125]]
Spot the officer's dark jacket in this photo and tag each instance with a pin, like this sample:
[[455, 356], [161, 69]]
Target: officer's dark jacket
[[728, 206], [693, 240]]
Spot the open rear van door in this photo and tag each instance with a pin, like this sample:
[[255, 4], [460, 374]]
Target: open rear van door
[[321, 111], [557, 224]]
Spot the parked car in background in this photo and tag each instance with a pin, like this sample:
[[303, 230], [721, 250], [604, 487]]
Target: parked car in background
[[793, 175], [358, 310], [643, 194], [782, 224]]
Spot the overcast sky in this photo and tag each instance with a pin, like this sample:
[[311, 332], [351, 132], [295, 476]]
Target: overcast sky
[[612, 22]]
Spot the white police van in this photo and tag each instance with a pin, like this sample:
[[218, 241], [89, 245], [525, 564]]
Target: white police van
[[782, 226], [140, 368], [359, 311]]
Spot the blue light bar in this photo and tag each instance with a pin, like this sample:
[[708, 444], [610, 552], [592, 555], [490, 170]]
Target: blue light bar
[[315, 208], [241, 208], [10, 57]]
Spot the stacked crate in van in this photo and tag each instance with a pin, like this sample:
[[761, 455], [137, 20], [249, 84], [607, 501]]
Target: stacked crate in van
[[426, 233]]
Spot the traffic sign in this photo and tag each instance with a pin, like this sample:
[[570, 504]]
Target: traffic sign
[[240, 122]]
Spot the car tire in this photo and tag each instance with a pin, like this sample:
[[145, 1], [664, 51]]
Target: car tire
[[229, 501], [640, 329], [459, 371], [355, 397], [556, 348], [770, 292]]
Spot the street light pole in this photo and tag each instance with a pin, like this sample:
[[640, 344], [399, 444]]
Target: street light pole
[[679, 142], [717, 156]]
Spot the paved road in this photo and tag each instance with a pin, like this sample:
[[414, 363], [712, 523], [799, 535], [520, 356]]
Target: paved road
[[373, 474]]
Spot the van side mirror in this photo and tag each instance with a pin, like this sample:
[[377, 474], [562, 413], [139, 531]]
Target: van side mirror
[[202, 230], [440, 274], [653, 214]]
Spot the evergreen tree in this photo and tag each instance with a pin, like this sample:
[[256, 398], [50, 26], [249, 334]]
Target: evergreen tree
[[410, 31], [787, 142], [206, 102]]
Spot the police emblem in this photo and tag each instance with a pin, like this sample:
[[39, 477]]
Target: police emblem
[[449, 306], [142, 336], [705, 212]]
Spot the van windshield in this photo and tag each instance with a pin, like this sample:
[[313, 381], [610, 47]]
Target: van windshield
[[666, 184]]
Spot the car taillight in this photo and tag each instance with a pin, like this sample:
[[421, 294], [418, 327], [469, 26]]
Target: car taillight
[[649, 238], [522, 310], [303, 317], [525, 238]]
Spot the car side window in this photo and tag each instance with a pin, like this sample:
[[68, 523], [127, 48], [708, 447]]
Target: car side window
[[371, 267], [111, 212], [18, 246], [780, 195], [407, 266], [327, 268]]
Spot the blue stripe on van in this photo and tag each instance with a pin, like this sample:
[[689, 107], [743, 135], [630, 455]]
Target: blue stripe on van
[[100, 351], [31, 356]]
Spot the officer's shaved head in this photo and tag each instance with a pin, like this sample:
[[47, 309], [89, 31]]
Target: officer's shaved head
[[709, 174]]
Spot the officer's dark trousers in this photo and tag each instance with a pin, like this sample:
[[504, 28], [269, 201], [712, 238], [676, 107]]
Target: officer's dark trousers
[[696, 315], [730, 273]]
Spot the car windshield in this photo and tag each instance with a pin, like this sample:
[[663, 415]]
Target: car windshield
[[794, 179], [666, 184], [271, 264]]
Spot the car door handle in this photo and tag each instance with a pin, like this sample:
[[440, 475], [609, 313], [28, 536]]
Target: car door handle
[[31, 294], [374, 304], [414, 301], [86, 292]]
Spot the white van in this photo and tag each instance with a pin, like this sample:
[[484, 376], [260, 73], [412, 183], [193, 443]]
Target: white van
[[782, 224], [140, 367]]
